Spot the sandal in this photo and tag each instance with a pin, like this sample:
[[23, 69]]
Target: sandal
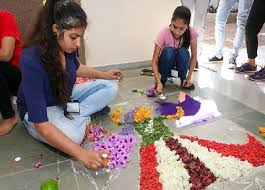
[[148, 72], [191, 87]]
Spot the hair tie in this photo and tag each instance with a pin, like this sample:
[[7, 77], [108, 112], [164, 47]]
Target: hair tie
[[66, 2]]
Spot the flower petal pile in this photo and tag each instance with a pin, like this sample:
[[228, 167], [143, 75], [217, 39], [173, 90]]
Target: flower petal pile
[[253, 151], [141, 114], [149, 177], [152, 130], [200, 175], [180, 113], [95, 132], [120, 148], [173, 174], [183, 162], [116, 115], [225, 168]]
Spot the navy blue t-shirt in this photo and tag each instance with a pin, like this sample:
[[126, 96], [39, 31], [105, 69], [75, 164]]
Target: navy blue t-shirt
[[35, 92]]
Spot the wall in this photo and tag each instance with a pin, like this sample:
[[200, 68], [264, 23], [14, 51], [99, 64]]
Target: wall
[[25, 12], [122, 31]]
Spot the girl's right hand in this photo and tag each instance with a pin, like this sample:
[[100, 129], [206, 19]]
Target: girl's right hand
[[92, 160], [159, 88]]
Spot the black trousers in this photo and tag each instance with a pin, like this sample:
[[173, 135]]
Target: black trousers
[[10, 78], [255, 22]]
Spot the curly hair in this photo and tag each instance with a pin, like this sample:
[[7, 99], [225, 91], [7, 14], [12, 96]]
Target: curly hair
[[66, 15]]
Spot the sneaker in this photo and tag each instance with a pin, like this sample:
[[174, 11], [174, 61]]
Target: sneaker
[[258, 76], [231, 63], [196, 68], [215, 59], [147, 72], [246, 68]]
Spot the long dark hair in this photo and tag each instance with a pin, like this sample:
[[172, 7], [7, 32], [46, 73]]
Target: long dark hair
[[183, 13], [66, 15]]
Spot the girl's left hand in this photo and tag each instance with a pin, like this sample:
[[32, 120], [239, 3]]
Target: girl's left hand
[[114, 74], [187, 83]]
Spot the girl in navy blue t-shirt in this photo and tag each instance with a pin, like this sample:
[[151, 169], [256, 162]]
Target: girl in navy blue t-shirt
[[49, 67]]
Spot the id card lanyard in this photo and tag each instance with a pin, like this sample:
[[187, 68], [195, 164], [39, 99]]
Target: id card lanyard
[[176, 48]]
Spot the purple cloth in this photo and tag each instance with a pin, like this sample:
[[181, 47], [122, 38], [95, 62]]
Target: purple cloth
[[190, 107]]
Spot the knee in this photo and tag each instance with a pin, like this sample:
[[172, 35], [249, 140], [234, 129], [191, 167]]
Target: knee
[[250, 32], [241, 22], [220, 20], [112, 87], [77, 135], [183, 51], [183, 54], [168, 53]]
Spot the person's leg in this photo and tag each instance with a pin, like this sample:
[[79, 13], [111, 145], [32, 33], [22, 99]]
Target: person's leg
[[74, 129], [5, 99], [10, 78], [166, 62], [244, 7], [224, 8], [198, 21], [182, 63], [199, 12], [254, 24], [95, 95]]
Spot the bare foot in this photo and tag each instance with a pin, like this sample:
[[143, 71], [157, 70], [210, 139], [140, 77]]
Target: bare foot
[[7, 125], [182, 96]]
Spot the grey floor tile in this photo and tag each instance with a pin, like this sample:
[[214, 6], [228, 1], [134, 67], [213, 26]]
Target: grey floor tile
[[20, 144], [251, 121], [32, 179]]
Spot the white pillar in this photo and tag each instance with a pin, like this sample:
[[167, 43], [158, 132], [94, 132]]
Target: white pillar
[[199, 11]]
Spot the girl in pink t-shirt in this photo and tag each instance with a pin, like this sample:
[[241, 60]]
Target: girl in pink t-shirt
[[172, 50]]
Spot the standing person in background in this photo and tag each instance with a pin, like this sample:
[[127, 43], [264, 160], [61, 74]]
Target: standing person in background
[[198, 16], [10, 77], [255, 22], [48, 94], [223, 11]]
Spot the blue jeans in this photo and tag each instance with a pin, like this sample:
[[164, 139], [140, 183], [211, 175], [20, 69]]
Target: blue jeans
[[92, 96], [172, 58], [223, 11]]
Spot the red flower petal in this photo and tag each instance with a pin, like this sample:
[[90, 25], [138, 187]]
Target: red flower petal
[[149, 177], [200, 176], [253, 151]]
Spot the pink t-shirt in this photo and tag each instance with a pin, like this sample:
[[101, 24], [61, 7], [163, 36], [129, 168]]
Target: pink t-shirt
[[166, 39]]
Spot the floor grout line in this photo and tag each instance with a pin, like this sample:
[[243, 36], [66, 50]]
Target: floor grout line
[[76, 181], [27, 170], [58, 169]]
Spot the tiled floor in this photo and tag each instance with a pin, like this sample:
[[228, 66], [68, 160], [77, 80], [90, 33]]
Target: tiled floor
[[240, 101], [235, 109]]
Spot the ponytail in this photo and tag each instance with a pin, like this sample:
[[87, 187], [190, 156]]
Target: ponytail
[[186, 38]]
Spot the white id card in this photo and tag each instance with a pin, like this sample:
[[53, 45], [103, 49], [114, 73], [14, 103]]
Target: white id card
[[174, 73], [73, 107]]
